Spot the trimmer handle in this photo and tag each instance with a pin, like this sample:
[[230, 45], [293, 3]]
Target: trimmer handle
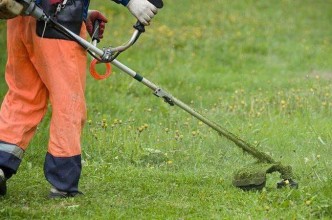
[[139, 26], [110, 54], [95, 31]]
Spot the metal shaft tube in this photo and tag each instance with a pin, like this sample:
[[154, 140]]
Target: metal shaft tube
[[134, 74], [261, 156]]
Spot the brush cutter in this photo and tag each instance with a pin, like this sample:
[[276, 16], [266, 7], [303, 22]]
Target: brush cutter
[[248, 178]]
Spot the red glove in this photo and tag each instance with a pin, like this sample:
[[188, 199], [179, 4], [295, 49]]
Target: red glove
[[94, 15]]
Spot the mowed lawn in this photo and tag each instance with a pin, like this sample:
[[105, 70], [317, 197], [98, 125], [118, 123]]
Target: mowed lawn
[[260, 69]]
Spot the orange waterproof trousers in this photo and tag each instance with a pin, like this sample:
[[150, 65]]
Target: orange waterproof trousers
[[39, 71]]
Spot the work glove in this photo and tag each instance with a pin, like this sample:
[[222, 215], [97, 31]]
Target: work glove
[[93, 16], [143, 10]]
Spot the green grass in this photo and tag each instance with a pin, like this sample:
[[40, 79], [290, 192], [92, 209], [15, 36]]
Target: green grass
[[261, 69]]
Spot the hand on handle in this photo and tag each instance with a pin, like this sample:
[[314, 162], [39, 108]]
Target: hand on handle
[[143, 10], [93, 17]]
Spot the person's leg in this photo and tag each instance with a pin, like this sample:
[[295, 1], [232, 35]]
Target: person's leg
[[62, 66], [3, 186], [24, 104]]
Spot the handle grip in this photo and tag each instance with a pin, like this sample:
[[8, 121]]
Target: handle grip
[[157, 3], [95, 31], [139, 26]]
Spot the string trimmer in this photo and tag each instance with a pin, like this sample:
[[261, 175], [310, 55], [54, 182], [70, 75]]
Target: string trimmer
[[250, 177]]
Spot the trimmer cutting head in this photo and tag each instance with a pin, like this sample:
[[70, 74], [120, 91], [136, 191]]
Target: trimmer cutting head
[[250, 178], [253, 177]]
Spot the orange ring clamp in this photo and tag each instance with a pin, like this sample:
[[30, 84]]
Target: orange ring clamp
[[96, 75]]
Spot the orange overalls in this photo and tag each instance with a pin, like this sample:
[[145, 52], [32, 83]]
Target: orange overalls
[[39, 70]]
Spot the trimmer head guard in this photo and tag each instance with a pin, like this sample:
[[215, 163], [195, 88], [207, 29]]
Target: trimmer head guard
[[254, 177]]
